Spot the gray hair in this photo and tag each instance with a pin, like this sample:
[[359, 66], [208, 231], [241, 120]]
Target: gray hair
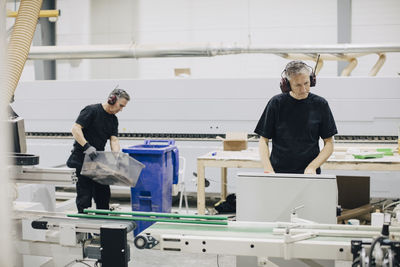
[[296, 67], [120, 93]]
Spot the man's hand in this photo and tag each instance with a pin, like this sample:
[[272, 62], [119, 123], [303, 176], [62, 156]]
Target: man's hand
[[90, 150]]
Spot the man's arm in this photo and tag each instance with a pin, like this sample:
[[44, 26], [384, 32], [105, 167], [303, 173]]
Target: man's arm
[[264, 154], [323, 156], [78, 134], [114, 144]]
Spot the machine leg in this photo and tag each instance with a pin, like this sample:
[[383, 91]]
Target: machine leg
[[224, 182], [201, 198]]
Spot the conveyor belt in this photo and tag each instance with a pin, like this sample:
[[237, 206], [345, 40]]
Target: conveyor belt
[[151, 216], [229, 231], [177, 136], [365, 139], [387, 139], [83, 224], [283, 240], [271, 231], [256, 239]]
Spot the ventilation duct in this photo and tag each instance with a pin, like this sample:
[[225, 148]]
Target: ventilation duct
[[20, 43]]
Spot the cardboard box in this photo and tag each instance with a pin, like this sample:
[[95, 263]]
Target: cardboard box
[[235, 141]]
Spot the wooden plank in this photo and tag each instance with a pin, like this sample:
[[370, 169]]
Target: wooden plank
[[353, 213]]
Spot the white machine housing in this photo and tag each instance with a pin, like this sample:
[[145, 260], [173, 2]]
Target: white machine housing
[[192, 108]]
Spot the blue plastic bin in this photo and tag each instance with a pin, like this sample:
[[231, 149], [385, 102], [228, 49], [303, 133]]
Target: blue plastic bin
[[153, 190]]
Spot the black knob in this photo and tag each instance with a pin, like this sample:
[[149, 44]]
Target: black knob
[[140, 242]]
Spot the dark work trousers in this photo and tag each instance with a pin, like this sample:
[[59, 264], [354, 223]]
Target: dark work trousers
[[87, 189]]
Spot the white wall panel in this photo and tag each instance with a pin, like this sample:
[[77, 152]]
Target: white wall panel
[[361, 106], [375, 13], [74, 19], [288, 14], [259, 22], [376, 22], [192, 15], [73, 28], [109, 17]]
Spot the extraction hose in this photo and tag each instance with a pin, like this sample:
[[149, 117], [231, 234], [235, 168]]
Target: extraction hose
[[20, 43]]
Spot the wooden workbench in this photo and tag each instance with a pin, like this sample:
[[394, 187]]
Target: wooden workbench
[[250, 159]]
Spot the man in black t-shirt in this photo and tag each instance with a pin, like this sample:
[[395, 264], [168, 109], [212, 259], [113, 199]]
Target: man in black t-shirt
[[295, 120], [95, 125]]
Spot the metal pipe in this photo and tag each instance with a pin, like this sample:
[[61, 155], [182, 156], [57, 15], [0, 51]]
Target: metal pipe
[[199, 50], [350, 67], [42, 14], [378, 65]]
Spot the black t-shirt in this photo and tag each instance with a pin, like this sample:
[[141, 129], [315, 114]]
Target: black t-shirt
[[295, 127], [98, 126]]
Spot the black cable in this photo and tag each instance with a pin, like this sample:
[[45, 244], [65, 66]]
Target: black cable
[[386, 255], [217, 260], [356, 262], [69, 263], [378, 239], [77, 261], [81, 261], [378, 202]]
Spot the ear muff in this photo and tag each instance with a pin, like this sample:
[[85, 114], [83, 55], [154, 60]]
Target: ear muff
[[114, 96], [313, 79], [285, 84], [112, 99]]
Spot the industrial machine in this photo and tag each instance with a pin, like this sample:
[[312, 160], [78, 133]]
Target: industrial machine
[[99, 235], [102, 235], [346, 245], [194, 112], [61, 239], [22, 168], [66, 240]]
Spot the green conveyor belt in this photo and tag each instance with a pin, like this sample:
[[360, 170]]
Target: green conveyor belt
[[131, 218], [157, 214]]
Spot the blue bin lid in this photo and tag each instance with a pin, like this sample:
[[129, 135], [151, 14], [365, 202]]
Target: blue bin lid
[[149, 148]]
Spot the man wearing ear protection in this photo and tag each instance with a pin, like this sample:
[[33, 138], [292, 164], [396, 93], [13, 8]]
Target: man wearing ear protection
[[295, 120], [95, 125]]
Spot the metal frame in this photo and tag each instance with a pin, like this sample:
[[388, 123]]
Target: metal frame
[[65, 240], [263, 240], [36, 175]]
